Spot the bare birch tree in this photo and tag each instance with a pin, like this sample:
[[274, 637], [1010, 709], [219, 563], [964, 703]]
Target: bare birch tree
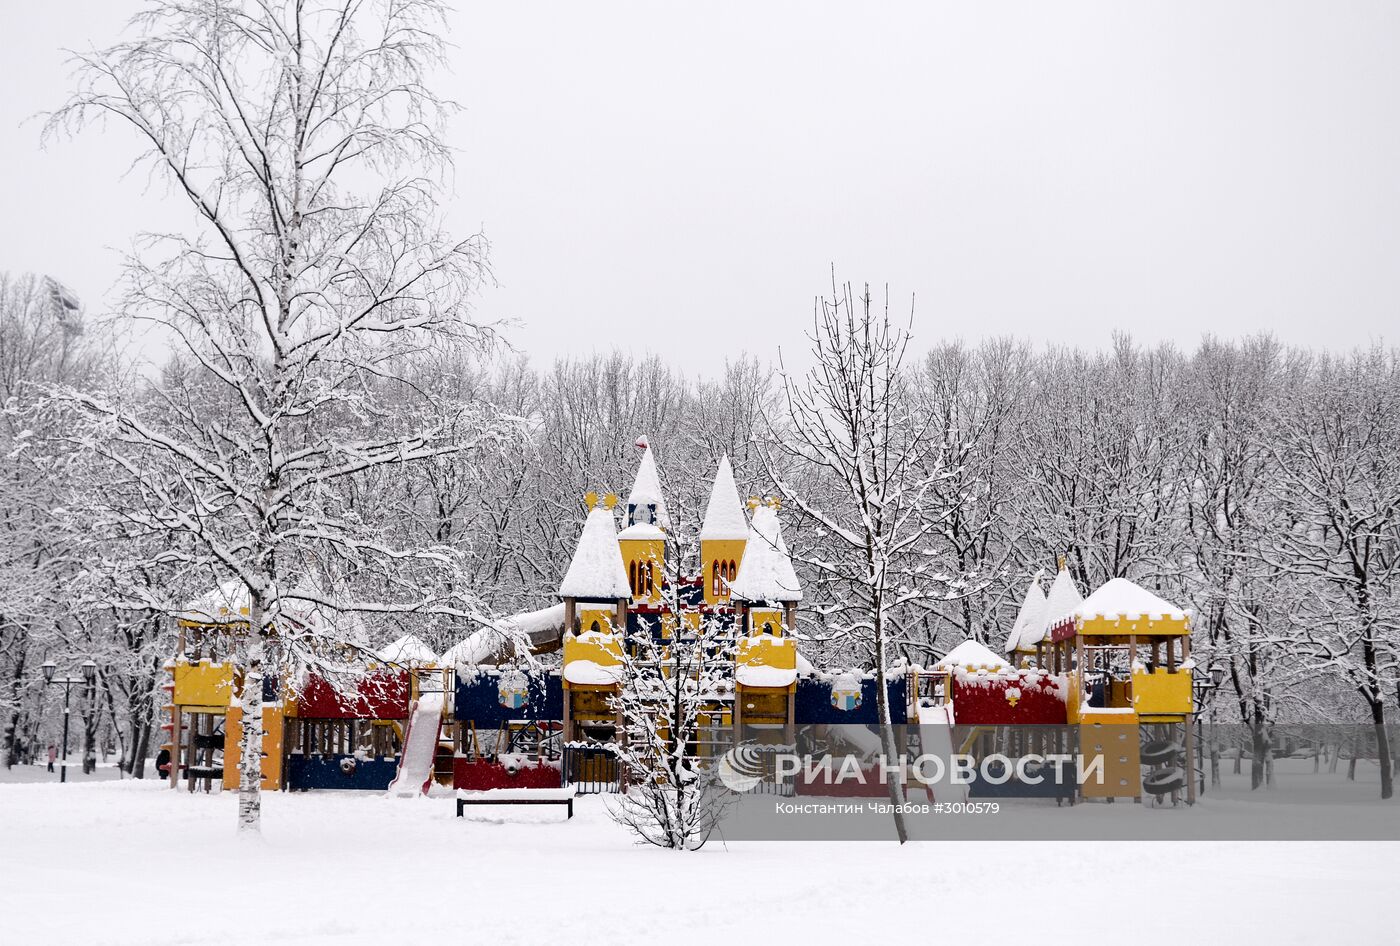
[[850, 420], [303, 136]]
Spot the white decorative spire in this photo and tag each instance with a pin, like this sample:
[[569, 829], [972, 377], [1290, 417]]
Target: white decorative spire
[[724, 514], [645, 504], [596, 570], [1030, 620], [766, 573], [1063, 598]]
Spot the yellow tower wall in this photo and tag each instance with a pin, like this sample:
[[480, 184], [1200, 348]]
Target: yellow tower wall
[[602, 647], [603, 650], [202, 685], [605, 617], [719, 550], [1162, 692], [273, 727], [765, 621], [636, 552]]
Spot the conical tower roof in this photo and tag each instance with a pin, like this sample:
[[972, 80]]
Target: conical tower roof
[[646, 489], [596, 570], [766, 572], [1064, 596], [724, 514], [1030, 620]]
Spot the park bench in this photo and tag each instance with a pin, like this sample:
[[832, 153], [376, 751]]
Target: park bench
[[516, 796]]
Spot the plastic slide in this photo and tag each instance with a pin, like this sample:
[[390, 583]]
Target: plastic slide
[[858, 738], [936, 727], [419, 748]]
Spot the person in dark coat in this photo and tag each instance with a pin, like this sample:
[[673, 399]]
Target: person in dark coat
[[163, 763]]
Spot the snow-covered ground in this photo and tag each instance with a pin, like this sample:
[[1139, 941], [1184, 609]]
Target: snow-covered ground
[[105, 772], [130, 862]]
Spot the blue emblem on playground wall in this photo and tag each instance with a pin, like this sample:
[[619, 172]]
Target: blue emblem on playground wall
[[845, 693], [489, 698], [512, 690], [817, 700]]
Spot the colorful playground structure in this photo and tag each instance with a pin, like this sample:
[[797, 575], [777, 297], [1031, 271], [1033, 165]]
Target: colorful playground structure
[[528, 703]]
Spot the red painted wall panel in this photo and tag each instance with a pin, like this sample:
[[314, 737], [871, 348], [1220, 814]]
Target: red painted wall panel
[[480, 774], [842, 785], [984, 702], [381, 694]]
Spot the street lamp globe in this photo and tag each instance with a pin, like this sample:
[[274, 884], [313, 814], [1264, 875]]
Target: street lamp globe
[[48, 667], [1217, 675], [89, 668]]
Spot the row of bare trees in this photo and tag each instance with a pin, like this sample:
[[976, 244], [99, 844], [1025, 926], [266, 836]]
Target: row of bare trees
[[1254, 483]]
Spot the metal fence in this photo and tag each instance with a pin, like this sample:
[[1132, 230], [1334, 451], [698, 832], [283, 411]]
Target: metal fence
[[592, 770]]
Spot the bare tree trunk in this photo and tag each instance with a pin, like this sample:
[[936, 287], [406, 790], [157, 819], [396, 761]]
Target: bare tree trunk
[[251, 704], [91, 715], [90, 740], [1260, 748], [894, 783], [11, 744], [140, 748], [115, 730], [1382, 750], [1214, 757], [141, 706], [12, 740]]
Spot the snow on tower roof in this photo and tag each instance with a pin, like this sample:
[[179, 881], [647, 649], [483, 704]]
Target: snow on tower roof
[[407, 650], [765, 573], [646, 488], [971, 654], [596, 570], [724, 514], [1060, 602], [1121, 598], [1030, 620]]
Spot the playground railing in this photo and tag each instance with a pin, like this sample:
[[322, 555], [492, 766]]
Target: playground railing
[[592, 770]]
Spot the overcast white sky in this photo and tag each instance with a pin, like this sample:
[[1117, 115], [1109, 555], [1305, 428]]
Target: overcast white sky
[[681, 178]]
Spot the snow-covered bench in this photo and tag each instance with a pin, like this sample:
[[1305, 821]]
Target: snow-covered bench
[[516, 796]]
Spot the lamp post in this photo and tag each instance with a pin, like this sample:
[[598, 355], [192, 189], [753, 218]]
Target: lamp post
[[1204, 688], [89, 677]]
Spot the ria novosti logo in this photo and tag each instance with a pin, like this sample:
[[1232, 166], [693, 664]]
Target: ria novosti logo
[[742, 768]]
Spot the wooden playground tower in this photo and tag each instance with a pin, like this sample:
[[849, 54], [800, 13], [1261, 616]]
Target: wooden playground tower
[[205, 721], [1127, 652]]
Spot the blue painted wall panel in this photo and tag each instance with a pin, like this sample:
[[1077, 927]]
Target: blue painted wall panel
[[812, 703], [324, 772], [478, 698]]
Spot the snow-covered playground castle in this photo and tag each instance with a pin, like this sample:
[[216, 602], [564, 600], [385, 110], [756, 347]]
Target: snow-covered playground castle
[[531, 702]]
